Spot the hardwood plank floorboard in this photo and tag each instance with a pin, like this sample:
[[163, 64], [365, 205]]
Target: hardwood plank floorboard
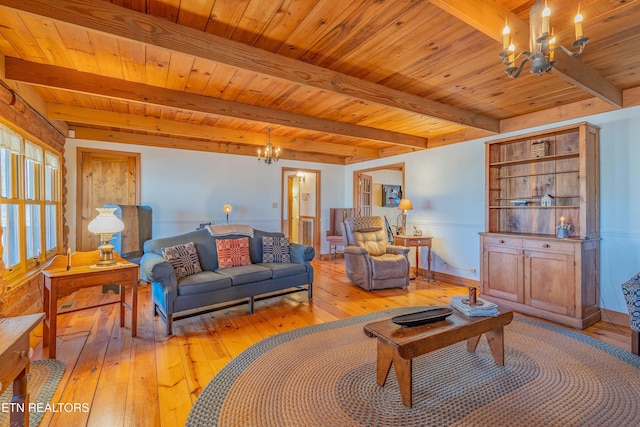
[[114, 379], [143, 407], [153, 380]]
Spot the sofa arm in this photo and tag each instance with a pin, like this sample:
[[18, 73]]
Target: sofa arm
[[400, 250], [154, 268], [301, 254]]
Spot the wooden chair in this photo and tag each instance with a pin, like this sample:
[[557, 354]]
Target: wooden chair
[[334, 233], [631, 291]]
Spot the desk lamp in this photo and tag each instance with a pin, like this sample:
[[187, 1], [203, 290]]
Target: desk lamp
[[106, 224]]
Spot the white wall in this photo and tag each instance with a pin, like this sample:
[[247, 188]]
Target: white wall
[[186, 188], [446, 187]]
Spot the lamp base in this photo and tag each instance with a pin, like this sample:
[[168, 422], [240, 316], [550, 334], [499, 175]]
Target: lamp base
[[106, 252]]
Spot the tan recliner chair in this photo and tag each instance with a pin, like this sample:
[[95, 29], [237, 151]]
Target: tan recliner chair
[[370, 261]]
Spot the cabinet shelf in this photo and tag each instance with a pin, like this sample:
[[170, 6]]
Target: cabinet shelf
[[535, 198], [526, 175], [535, 159], [534, 207]]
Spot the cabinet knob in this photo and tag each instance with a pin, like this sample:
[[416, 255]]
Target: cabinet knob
[[546, 245], [501, 241], [27, 354]]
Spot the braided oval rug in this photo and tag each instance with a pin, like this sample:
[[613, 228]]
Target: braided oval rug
[[325, 375]]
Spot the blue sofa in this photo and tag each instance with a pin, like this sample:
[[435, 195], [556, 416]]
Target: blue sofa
[[213, 285]]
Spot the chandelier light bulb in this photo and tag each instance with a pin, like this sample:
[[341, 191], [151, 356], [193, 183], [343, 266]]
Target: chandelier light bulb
[[506, 40]]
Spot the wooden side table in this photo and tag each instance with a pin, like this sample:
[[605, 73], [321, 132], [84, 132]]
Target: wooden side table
[[15, 357], [417, 242], [84, 273]]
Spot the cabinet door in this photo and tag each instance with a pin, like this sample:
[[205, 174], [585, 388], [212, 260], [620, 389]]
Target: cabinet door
[[549, 281], [503, 273]]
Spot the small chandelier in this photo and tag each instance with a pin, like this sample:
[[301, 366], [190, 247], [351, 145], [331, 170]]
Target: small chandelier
[[542, 43], [271, 155]]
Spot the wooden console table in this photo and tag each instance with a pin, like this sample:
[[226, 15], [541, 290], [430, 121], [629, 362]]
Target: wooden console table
[[15, 357], [417, 242], [84, 273]]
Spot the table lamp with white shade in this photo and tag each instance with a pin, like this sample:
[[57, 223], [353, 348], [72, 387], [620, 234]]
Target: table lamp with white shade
[[106, 224]]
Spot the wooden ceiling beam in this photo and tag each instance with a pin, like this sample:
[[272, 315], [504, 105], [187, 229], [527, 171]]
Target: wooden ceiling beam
[[123, 23], [171, 127], [194, 145], [488, 17], [63, 78]]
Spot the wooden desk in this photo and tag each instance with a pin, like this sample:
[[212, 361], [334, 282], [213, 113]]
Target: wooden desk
[[399, 345], [417, 242], [15, 357], [59, 282]]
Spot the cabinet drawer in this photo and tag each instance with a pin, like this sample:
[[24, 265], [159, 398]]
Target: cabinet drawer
[[71, 284], [549, 245], [513, 242]]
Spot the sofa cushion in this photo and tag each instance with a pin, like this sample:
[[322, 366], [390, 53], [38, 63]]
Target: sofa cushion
[[233, 252], [203, 282], [284, 269], [246, 274], [183, 258], [275, 249]]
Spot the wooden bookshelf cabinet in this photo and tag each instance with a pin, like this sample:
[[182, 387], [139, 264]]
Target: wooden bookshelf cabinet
[[524, 267]]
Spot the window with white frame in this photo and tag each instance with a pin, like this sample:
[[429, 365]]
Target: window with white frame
[[29, 202]]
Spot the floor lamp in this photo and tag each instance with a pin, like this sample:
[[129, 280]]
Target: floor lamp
[[227, 209]]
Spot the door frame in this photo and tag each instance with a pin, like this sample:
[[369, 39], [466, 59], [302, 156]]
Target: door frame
[[80, 152], [284, 196], [393, 166]]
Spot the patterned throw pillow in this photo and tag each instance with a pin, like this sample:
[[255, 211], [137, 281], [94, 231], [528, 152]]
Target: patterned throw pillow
[[233, 252], [275, 249], [183, 259]]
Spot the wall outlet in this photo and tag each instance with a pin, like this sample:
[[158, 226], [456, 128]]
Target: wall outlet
[[274, 205], [473, 270]]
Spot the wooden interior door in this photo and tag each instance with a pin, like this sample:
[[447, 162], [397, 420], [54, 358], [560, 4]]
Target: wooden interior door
[[104, 177], [364, 196], [293, 206]]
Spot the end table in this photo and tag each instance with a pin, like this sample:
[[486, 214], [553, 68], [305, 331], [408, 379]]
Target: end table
[[417, 242], [83, 273]]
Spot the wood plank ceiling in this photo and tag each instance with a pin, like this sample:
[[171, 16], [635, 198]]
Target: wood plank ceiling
[[337, 81]]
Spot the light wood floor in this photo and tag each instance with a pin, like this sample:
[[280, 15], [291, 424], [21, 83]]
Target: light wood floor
[[153, 380]]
